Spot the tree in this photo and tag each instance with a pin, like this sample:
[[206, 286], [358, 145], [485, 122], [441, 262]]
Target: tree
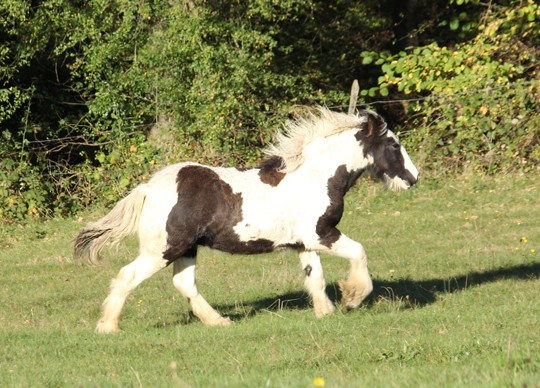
[[95, 95]]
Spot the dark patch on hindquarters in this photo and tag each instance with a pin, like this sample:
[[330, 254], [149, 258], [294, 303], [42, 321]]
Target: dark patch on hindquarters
[[308, 270], [269, 171], [338, 185], [205, 214]]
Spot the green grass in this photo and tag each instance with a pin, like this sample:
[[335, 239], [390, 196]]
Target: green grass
[[455, 263]]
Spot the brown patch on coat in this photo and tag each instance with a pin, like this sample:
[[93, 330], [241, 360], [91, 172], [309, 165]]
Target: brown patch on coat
[[269, 171], [205, 214], [338, 185]]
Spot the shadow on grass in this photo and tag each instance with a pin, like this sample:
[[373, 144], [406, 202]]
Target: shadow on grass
[[422, 292], [416, 293]]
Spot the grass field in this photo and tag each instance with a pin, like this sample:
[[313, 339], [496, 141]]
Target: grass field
[[456, 269]]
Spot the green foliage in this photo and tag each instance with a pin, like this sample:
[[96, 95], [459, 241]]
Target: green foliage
[[84, 85], [210, 77], [22, 190], [209, 82], [480, 100]]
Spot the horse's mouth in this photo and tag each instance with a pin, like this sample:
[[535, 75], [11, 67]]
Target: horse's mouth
[[398, 184]]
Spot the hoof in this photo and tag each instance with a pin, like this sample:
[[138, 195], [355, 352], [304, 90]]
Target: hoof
[[219, 321], [353, 294], [324, 308], [106, 327], [347, 306]]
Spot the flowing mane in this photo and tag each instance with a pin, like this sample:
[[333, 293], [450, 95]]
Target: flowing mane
[[303, 130]]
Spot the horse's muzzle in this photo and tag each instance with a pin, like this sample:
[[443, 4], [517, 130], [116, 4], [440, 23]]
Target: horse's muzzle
[[411, 179]]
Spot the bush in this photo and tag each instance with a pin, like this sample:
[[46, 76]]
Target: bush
[[95, 97], [477, 102]]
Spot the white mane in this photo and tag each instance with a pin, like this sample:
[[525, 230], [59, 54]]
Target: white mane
[[301, 131]]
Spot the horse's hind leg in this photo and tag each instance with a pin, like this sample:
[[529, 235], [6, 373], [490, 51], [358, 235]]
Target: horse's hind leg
[[315, 283], [127, 279], [184, 281]]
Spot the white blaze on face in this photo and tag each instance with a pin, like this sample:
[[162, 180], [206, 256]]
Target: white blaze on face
[[409, 164], [396, 183]]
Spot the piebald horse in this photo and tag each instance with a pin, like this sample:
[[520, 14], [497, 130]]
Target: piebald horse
[[295, 199]]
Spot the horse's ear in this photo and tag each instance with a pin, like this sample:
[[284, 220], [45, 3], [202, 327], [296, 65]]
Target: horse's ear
[[375, 126]]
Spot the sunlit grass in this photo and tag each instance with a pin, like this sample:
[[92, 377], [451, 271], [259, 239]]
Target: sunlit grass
[[456, 271]]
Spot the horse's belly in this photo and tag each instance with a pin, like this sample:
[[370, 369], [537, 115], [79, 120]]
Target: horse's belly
[[245, 238], [232, 244]]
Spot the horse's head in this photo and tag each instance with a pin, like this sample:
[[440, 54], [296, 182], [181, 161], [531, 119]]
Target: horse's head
[[390, 161]]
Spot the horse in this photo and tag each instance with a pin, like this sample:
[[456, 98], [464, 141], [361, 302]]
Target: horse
[[294, 199]]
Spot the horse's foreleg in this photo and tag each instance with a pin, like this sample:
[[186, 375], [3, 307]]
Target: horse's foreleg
[[314, 283], [358, 285], [184, 281], [127, 279]]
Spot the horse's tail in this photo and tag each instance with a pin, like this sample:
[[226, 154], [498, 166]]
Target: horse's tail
[[121, 221]]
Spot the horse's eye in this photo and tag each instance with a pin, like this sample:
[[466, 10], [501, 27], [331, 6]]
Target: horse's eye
[[396, 146]]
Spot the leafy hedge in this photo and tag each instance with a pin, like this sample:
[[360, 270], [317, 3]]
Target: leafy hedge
[[94, 96], [479, 100]]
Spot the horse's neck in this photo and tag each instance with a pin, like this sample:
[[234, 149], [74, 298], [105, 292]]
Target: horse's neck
[[337, 160], [337, 178]]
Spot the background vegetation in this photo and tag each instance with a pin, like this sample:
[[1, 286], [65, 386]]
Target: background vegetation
[[95, 95], [456, 275]]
